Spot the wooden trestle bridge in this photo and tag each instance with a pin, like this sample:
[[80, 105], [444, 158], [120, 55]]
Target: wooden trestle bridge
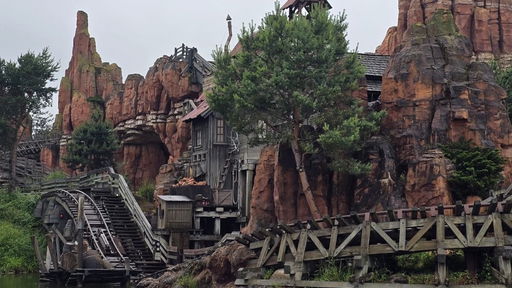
[[359, 237]]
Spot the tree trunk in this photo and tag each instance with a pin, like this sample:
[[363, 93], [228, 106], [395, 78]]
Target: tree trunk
[[306, 188]]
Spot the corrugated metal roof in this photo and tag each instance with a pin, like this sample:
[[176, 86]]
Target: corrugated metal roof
[[199, 111], [375, 64], [174, 198], [288, 4]]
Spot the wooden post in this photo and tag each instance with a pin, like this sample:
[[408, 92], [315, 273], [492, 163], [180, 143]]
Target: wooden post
[[503, 262], [35, 245], [363, 266], [80, 232], [299, 258], [216, 227], [441, 251], [53, 253]]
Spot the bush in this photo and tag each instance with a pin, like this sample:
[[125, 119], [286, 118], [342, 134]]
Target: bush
[[146, 191], [16, 253], [333, 271], [56, 175], [187, 281], [478, 169], [417, 262]]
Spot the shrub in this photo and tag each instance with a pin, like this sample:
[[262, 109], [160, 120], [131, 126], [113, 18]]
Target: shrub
[[56, 175], [187, 281], [417, 262], [16, 253], [333, 271], [146, 191], [17, 225], [478, 169]]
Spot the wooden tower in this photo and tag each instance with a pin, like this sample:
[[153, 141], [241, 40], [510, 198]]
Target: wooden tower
[[297, 6]]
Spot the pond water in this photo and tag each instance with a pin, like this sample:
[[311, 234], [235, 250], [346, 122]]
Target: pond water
[[32, 281]]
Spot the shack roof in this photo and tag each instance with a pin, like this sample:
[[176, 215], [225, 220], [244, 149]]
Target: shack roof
[[375, 64], [174, 198], [290, 3]]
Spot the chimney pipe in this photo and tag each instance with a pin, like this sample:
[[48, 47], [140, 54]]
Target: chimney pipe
[[230, 34]]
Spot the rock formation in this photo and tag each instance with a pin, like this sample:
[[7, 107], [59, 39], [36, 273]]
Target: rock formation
[[435, 94], [144, 111], [488, 24], [216, 270]]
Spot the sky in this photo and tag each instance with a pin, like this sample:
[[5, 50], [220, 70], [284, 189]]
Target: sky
[[134, 33]]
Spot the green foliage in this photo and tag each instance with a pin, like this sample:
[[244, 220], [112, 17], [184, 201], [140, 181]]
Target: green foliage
[[427, 279], [504, 79], [295, 73], [267, 273], [462, 278], [92, 145], [24, 91], [485, 275], [146, 191], [333, 271], [416, 262], [187, 281], [478, 169], [16, 227], [56, 175]]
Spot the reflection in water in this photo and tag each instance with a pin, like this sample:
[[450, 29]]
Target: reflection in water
[[32, 281]]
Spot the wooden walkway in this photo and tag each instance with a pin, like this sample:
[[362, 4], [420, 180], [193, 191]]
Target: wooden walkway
[[361, 236]]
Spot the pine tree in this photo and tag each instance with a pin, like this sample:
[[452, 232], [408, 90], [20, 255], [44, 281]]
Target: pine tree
[[291, 75], [92, 145], [24, 92]]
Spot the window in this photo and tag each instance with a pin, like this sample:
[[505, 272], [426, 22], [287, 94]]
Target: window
[[199, 140], [219, 131]]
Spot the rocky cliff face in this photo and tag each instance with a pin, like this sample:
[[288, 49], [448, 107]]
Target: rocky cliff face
[[435, 94], [488, 24], [145, 111]]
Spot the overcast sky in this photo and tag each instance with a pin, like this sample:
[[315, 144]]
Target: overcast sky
[[134, 33]]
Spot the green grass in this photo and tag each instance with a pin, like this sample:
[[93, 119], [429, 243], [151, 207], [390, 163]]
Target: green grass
[[187, 281], [333, 271], [17, 225], [146, 191], [56, 175]]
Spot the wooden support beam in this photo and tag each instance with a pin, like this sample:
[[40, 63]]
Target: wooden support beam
[[440, 209], [333, 240], [459, 208], [40, 262], [50, 241], [355, 218], [328, 221], [423, 212], [403, 234], [492, 206], [391, 215], [80, 231], [242, 241], [476, 208], [470, 234], [313, 225], [365, 251], [286, 228], [414, 213], [301, 250], [441, 251]]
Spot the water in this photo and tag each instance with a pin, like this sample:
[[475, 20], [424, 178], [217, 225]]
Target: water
[[32, 281]]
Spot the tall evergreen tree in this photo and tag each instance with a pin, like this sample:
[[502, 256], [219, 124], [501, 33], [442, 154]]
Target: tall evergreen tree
[[92, 144], [295, 73], [24, 92]]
